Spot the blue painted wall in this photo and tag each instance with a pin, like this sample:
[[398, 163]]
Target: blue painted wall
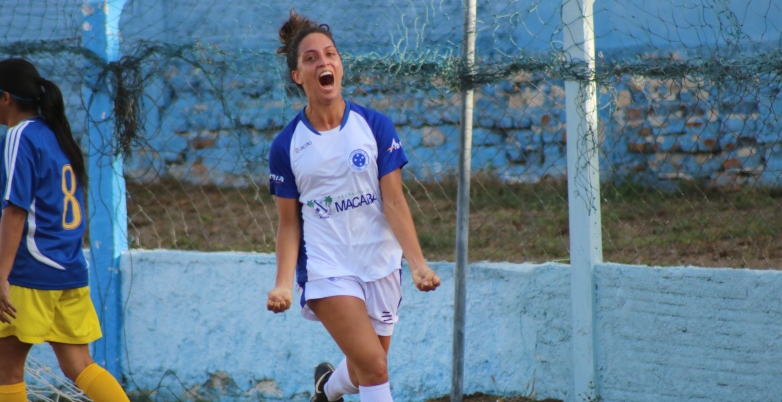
[[186, 316], [688, 334], [196, 326]]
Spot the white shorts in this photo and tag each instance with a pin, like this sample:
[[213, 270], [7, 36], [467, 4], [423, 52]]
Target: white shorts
[[382, 297]]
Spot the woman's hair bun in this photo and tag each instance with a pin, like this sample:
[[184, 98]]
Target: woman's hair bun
[[293, 31], [290, 28]]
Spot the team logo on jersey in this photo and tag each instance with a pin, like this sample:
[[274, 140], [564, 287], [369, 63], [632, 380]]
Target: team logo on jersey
[[322, 207], [358, 160], [276, 178], [394, 145]]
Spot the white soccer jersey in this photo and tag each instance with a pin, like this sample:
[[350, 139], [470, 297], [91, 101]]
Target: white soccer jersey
[[335, 175]]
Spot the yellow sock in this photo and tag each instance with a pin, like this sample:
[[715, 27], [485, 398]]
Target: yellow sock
[[100, 385], [13, 393]]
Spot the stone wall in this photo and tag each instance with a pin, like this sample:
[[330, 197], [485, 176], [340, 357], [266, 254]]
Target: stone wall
[[718, 135], [217, 128], [654, 131]]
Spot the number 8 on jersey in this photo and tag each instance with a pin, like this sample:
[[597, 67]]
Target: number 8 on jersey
[[70, 203]]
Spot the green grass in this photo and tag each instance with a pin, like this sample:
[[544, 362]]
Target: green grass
[[689, 225]]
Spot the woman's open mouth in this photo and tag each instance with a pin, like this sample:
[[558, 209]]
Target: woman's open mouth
[[326, 79]]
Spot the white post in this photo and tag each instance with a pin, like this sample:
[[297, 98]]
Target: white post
[[583, 191], [463, 206]]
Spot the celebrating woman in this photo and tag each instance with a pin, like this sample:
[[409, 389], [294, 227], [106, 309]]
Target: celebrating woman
[[344, 221]]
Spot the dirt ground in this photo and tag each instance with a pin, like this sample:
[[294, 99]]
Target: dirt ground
[[480, 397]]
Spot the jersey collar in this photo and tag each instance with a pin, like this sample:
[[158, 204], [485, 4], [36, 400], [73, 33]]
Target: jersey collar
[[306, 122], [30, 119]]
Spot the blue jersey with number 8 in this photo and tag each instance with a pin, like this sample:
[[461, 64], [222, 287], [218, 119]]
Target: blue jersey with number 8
[[36, 175]]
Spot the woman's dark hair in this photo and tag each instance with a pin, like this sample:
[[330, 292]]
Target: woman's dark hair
[[293, 32], [35, 94]]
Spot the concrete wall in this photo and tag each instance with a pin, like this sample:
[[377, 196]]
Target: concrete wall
[[196, 326], [202, 316], [688, 334]]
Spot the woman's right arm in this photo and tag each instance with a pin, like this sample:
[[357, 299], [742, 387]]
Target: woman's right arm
[[288, 239], [11, 228]]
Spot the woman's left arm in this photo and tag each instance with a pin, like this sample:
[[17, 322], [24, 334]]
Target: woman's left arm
[[398, 215]]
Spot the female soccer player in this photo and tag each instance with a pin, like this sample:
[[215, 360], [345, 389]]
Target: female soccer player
[[43, 274], [344, 221]]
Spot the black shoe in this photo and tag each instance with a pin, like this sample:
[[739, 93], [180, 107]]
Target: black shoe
[[322, 373]]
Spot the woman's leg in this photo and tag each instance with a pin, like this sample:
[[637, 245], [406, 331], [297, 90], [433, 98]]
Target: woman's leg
[[346, 319], [385, 341], [12, 387], [73, 359], [77, 364], [344, 381]]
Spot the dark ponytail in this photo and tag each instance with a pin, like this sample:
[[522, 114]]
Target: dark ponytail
[[33, 93], [53, 111]]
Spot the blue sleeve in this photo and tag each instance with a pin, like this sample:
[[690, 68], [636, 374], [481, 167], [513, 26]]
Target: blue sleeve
[[282, 182], [390, 155], [21, 177]]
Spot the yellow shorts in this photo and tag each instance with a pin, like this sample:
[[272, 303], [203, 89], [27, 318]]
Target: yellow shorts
[[63, 316]]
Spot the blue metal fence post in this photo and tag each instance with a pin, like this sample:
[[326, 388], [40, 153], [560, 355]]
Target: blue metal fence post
[[106, 196]]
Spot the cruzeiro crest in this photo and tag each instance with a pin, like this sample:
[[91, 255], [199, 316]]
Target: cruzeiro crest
[[358, 160], [322, 207]]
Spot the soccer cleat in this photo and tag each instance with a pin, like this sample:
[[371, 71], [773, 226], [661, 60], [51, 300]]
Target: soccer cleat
[[322, 373]]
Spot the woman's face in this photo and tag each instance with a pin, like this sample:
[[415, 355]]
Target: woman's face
[[319, 68]]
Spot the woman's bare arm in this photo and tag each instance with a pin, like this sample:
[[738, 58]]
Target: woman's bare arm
[[288, 240], [401, 220]]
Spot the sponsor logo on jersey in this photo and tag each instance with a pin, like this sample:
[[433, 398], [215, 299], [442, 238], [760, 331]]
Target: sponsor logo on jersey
[[394, 145], [303, 147], [355, 202], [326, 207], [276, 178], [358, 160], [322, 207]]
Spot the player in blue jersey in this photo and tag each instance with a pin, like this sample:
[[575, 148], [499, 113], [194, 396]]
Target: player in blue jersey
[[344, 221], [43, 274]]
